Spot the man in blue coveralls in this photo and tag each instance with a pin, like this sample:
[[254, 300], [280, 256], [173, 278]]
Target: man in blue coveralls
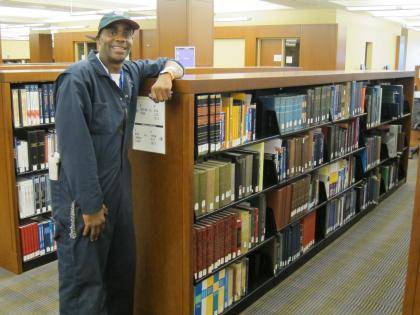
[[95, 111]]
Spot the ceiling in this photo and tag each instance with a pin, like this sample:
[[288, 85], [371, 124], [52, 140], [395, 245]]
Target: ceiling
[[52, 14]]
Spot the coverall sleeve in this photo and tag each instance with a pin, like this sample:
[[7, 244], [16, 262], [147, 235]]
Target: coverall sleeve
[[78, 159], [152, 68]]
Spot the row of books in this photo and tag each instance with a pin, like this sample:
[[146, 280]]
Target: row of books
[[337, 176], [33, 149], [339, 211], [37, 238], [371, 155], [218, 292], [368, 191], [389, 175], [33, 104], [289, 157], [342, 138], [231, 176], [393, 140], [224, 236], [223, 121], [293, 241], [290, 112], [392, 101], [383, 102], [34, 195], [290, 201]]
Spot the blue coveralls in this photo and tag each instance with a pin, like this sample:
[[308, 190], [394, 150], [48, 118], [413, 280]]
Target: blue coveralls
[[94, 122]]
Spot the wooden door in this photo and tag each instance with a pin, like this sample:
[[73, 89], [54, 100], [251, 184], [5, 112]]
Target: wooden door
[[270, 52]]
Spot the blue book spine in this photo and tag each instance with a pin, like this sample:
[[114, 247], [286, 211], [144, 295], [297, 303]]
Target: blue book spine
[[40, 232], [216, 293], [197, 298], [51, 101]]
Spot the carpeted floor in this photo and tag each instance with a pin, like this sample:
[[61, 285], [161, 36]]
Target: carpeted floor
[[363, 272]]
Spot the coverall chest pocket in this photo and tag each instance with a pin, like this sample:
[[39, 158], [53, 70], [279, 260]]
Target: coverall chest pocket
[[101, 119]]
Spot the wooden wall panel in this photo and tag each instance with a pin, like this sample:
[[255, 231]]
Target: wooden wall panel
[[318, 47], [63, 50], [64, 44], [323, 46], [40, 47], [186, 23], [172, 26], [200, 30], [136, 47], [149, 44]]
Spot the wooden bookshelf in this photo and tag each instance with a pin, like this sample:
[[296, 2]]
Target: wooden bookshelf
[[411, 305], [162, 184]]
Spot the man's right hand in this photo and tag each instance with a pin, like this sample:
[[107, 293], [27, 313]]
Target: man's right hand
[[95, 223]]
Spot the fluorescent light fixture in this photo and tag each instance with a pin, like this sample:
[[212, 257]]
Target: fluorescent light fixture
[[55, 28], [14, 26], [222, 6], [410, 7], [373, 8], [363, 3], [232, 19], [31, 13], [95, 17], [396, 13], [150, 17]]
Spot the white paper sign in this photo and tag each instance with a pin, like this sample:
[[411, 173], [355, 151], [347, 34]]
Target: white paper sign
[[278, 58], [289, 59], [149, 126]]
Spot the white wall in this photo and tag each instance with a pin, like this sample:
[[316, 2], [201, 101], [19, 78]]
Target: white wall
[[413, 50], [362, 28], [229, 53], [15, 49]]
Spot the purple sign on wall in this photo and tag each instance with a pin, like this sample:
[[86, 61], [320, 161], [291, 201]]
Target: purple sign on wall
[[185, 55]]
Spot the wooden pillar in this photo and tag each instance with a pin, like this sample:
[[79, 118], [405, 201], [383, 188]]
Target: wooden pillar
[[40, 47], [186, 23]]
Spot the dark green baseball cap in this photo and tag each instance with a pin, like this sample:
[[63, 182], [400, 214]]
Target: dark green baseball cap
[[112, 17]]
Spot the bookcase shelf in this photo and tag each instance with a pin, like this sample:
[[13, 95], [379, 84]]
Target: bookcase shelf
[[390, 121], [11, 256], [50, 125], [285, 135], [162, 184], [278, 185], [28, 173], [39, 261]]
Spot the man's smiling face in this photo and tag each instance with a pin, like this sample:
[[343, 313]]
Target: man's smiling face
[[115, 42]]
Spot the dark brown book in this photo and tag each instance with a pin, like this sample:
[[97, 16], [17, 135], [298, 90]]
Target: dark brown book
[[274, 202], [288, 204]]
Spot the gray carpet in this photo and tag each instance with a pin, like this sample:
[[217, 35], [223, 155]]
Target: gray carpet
[[362, 272]]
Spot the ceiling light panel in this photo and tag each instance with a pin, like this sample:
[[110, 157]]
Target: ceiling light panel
[[223, 6], [396, 13], [31, 13], [365, 3]]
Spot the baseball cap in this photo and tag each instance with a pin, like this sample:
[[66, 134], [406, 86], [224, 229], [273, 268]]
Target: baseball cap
[[112, 17]]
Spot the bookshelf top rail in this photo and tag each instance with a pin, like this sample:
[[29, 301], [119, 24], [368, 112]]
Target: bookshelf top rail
[[226, 82]]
